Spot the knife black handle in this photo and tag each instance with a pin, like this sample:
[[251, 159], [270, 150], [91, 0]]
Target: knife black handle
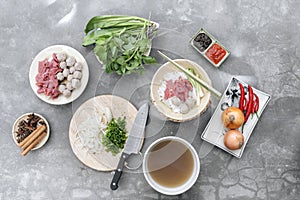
[[118, 172]]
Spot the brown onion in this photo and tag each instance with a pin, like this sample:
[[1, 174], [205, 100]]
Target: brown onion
[[233, 139], [232, 118]]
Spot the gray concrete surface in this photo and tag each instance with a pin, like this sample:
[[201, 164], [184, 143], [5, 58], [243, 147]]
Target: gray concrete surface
[[263, 37]]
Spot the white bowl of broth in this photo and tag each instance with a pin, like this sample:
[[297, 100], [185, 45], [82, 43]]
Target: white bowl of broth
[[171, 165]]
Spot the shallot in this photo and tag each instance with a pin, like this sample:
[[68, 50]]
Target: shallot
[[232, 118], [233, 139]]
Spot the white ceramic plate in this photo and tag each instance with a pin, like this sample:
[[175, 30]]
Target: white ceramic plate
[[24, 116], [214, 131], [163, 108], [95, 107], [47, 53]]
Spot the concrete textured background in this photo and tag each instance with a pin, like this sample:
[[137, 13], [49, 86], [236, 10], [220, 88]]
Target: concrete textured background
[[263, 37]]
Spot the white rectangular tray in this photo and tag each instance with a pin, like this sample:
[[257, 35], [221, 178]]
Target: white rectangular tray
[[214, 131]]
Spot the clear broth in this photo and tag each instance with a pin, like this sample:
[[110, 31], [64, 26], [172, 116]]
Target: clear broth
[[170, 163]]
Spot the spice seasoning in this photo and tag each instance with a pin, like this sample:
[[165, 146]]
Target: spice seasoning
[[209, 47], [202, 41], [27, 126], [215, 53]]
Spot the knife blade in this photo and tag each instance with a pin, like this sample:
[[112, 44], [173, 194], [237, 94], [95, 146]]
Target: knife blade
[[133, 142]]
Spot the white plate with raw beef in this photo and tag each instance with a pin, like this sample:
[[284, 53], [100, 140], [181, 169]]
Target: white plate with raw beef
[[175, 105], [58, 74]]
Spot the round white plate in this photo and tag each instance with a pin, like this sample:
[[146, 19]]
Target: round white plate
[[47, 53], [24, 116]]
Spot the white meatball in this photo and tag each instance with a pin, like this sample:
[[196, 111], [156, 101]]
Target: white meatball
[[190, 103], [75, 83], [61, 88], [78, 66], [67, 93], [60, 76], [176, 101], [63, 65], [69, 85], [184, 108], [77, 74], [61, 56], [70, 77], [66, 72], [72, 70], [70, 61]]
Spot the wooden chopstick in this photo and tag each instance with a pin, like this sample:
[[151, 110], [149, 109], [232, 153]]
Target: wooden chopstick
[[201, 82]]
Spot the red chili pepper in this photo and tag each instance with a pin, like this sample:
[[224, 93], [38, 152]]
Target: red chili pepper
[[253, 106], [242, 97], [245, 105], [256, 103], [250, 103]]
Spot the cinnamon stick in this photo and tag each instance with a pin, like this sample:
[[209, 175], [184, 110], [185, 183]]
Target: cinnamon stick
[[29, 139], [35, 142], [29, 136]]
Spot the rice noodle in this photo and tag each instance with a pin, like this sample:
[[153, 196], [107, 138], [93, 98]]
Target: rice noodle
[[89, 132]]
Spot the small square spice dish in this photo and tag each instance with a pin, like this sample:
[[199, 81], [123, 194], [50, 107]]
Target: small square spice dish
[[215, 130], [209, 47]]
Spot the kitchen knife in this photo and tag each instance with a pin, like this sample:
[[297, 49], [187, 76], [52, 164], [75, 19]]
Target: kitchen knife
[[133, 143]]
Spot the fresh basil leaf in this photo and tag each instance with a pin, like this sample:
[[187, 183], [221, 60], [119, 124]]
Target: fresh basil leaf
[[149, 60], [120, 42], [123, 69], [129, 47], [120, 60], [101, 52]]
